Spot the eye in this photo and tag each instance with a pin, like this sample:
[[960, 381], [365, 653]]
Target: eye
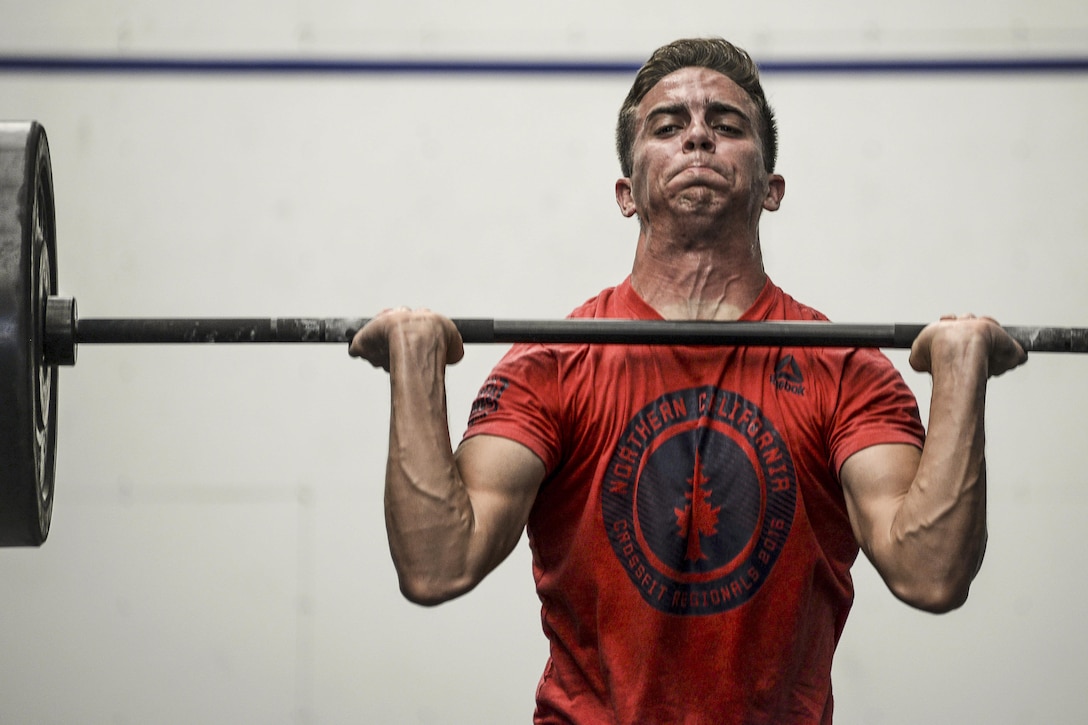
[[666, 129]]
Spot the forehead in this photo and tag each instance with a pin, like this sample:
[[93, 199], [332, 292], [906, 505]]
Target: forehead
[[694, 88]]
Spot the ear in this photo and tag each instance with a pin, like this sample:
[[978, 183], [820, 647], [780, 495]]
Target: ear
[[776, 189], [625, 197]]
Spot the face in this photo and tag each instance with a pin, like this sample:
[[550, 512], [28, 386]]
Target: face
[[697, 151]]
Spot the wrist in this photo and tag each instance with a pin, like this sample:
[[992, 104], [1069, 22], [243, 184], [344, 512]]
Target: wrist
[[962, 350]]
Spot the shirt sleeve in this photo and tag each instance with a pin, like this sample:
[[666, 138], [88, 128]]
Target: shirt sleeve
[[875, 406], [520, 401]]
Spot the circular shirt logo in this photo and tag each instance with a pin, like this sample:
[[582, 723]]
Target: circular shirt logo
[[698, 500]]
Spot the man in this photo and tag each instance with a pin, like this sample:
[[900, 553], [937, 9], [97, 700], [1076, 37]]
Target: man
[[693, 512]]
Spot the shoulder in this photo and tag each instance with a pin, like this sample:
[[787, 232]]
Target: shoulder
[[775, 304], [858, 370], [618, 302]]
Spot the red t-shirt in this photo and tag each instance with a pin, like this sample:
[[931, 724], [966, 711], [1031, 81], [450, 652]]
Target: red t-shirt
[[691, 544]]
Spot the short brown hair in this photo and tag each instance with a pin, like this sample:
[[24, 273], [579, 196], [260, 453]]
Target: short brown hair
[[713, 53]]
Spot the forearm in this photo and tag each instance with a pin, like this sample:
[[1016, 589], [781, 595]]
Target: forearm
[[429, 517], [939, 532], [920, 517]]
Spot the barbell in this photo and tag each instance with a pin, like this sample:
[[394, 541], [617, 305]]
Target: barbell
[[41, 330]]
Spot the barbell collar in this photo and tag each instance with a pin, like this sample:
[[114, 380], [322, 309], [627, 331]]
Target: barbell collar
[[59, 338]]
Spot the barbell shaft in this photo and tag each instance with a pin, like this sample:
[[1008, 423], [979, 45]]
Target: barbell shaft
[[484, 330]]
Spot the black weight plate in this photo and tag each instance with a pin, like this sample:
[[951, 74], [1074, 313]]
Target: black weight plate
[[28, 388]]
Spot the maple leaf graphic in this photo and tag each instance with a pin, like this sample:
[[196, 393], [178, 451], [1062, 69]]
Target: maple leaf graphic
[[698, 518]]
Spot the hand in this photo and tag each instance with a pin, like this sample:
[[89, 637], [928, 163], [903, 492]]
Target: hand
[[404, 329], [953, 338]]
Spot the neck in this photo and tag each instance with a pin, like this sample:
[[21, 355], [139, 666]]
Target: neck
[[698, 279]]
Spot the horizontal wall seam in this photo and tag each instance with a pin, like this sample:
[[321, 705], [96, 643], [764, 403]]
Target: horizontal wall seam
[[121, 65]]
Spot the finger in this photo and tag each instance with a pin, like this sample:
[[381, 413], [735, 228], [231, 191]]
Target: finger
[[370, 347], [455, 345], [371, 342], [919, 358]]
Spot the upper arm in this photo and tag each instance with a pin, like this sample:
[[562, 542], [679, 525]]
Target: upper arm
[[501, 477], [875, 480]]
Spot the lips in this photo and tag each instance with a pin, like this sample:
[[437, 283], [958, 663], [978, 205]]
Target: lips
[[699, 171]]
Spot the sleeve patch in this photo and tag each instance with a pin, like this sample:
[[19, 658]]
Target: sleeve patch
[[487, 400]]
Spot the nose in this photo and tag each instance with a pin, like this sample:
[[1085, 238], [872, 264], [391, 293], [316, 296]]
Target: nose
[[699, 138]]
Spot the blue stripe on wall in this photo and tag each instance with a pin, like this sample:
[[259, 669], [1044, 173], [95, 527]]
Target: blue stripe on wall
[[325, 66]]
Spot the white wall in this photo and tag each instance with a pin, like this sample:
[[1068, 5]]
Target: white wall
[[218, 552]]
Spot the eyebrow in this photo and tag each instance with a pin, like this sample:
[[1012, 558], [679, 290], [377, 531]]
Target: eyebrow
[[673, 109], [721, 108]]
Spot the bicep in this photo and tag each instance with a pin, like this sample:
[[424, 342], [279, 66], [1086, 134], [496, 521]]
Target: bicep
[[875, 480], [502, 478]]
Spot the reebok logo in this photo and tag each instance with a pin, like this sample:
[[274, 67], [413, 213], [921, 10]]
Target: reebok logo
[[787, 376]]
